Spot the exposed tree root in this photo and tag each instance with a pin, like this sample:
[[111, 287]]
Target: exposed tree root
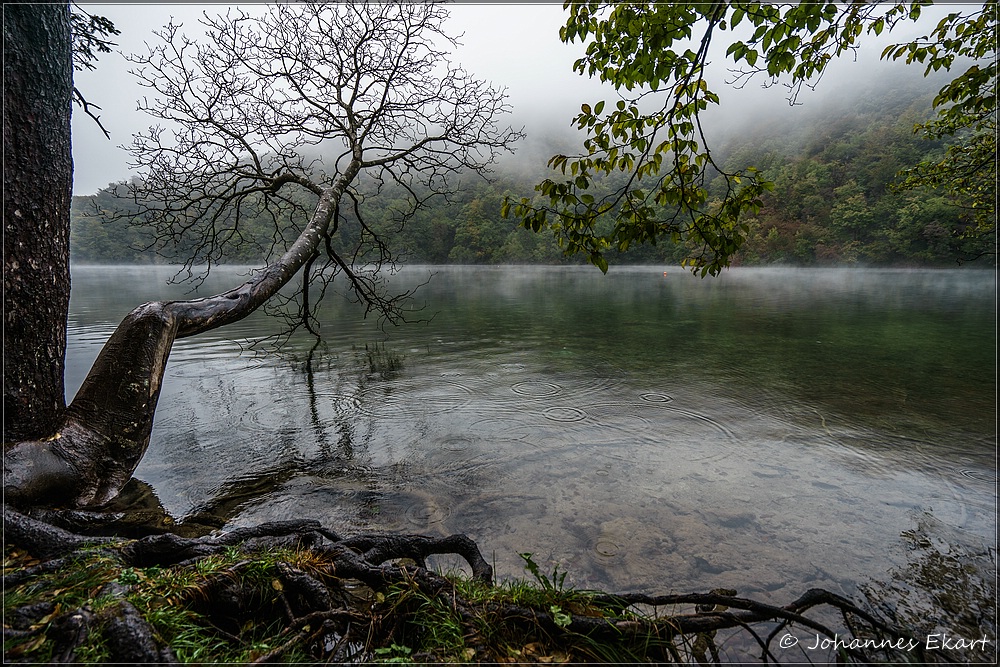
[[295, 591]]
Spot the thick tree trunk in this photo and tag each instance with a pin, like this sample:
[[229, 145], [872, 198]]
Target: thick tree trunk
[[104, 433], [37, 191], [83, 455]]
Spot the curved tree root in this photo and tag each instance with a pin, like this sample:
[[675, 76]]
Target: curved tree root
[[295, 591]]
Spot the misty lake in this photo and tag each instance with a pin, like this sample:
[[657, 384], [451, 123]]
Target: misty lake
[[770, 430]]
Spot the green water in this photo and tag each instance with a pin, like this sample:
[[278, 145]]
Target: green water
[[769, 431]]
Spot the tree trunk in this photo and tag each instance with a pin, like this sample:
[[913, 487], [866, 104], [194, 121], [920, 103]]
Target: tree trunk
[[37, 186], [104, 433], [83, 455]]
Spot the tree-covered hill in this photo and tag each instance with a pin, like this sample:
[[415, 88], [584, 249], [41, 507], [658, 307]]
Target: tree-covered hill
[[833, 202]]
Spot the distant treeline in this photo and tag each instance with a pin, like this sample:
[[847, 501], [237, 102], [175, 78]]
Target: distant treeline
[[832, 204]]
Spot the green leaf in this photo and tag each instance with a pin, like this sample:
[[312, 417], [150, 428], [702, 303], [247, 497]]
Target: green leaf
[[559, 617]]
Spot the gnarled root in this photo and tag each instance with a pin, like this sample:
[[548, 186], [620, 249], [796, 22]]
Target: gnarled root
[[296, 591]]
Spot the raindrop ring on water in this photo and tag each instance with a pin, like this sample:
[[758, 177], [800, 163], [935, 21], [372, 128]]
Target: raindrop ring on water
[[656, 398], [425, 515], [536, 389], [979, 475], [456, 443], [565, 414], [606, 548], [411, 400]]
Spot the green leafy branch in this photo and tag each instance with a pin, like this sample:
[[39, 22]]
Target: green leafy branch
[[643, 174], [663, 155]]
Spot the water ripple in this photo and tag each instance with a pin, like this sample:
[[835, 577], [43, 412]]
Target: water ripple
[[563, 414], [425, 514], [607, 548], [707, 420], [988, 476], [404, 399], [536, 389]]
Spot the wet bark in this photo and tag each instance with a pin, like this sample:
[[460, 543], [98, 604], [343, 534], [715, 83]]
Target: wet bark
[[82, 455], [37, 191], [103, 435]]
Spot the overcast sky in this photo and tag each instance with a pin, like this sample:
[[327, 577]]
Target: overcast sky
[[514, 45]]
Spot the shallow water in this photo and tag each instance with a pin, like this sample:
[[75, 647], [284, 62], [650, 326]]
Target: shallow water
[[770, 430]]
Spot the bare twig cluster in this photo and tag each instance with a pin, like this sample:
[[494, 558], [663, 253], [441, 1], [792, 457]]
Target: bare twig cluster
[[292, 117]]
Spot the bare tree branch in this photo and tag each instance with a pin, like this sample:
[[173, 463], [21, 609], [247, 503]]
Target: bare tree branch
[[279, 114], [276, 116]]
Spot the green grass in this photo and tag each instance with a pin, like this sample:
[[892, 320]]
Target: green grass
[[79, 581], [168, 598], [434, 629], [403, 623]]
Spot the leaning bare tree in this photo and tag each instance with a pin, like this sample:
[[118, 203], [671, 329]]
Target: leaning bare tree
[[278, 115], [281, 116]]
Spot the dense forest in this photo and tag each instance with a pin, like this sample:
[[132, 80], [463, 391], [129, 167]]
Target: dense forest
[[833, 166]]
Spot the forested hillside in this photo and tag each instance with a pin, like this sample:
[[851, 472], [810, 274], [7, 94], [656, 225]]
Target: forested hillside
[[834, 200], [833, 203]]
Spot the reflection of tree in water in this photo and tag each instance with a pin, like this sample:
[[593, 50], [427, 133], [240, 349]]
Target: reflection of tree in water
[[340, 453], [340, 450], [947, 588]]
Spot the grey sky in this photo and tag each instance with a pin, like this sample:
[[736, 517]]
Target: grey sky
[[512, 45]]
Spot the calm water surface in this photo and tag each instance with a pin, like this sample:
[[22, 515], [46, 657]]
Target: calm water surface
[[769, 430]]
